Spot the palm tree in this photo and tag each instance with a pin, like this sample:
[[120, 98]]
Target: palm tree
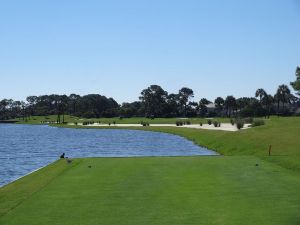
[[268, 101], [283, 95], [219, 102], [260, 93], [230, 104], [184, 95], [296, 84]]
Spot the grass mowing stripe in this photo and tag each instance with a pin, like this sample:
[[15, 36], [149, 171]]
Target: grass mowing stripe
[[166, 190], [15, 193]]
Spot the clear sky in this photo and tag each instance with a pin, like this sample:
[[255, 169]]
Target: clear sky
[[117, 48]]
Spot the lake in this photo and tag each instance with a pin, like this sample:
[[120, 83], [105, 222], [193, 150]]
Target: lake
[[25, 148]]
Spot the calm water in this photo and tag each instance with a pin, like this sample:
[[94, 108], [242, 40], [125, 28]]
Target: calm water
[[24, 148]]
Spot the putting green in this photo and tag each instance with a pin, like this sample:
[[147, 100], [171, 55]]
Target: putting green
[[155, 190]]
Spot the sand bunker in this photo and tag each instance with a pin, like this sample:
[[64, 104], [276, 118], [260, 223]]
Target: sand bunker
[[224, 126]]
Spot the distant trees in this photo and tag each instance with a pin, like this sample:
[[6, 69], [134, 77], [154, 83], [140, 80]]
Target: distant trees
[[154, 102], [154, 99], [296, 83], [282, 95], [203, 106], [184, 96], [230, 104], [260, 93], [219, 102]]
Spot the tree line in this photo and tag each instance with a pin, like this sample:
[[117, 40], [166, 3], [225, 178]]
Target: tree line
[[153, 102]]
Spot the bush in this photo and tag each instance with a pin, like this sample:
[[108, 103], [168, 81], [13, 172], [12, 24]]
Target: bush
[[209, 122], [239, 124], [76, 123], [145, 124], [188, 122], [201, 124], [179, 123], [257, 122], [216, 123], [248, 120], [232, 122]]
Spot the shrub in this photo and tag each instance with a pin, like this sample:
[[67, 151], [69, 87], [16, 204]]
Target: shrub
[[257, 122], [209, 122], [216, 123], [114, 122], [239, 124], [145, 124], [179, 123], [219, 124], [248, 120], [201, 124], [232, 122], [76, 123], [188, 122]]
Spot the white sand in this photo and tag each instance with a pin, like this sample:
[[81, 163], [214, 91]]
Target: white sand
[[224, 126]]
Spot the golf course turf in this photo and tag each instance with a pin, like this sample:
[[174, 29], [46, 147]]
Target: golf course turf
[[244, 186]]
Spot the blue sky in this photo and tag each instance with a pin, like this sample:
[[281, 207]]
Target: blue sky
[[117, 48]]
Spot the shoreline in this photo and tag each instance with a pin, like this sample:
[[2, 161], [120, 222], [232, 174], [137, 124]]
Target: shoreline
[[223, 127]]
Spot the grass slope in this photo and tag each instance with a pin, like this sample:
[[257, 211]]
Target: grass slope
[[280, 132], [163, 190], [133, 120]]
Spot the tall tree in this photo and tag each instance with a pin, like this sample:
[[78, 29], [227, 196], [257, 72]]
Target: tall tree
[[296, 83], [283, 95], [268, 101], [154, 99], [230, 104], [185, 94], [219, 102], [203, 106], [260, 93]]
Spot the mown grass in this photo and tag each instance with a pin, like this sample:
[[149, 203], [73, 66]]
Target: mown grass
[[133, 120], [163, 190], [17, 192], [280, 132], [244, 186]]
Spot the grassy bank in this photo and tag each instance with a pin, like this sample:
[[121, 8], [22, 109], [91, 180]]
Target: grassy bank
[[162, 190], [133, 120], [280, 132]]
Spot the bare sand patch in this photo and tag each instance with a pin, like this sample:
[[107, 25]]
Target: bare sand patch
[[223, 127]]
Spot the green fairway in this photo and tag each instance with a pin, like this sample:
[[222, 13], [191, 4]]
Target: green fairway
[[280, 132], [244, 186], [133, 120], [158, 190]]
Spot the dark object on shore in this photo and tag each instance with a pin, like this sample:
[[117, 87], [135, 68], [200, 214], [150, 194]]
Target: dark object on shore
[[62, 156], [89, 166], [256, 164], [270, 150]]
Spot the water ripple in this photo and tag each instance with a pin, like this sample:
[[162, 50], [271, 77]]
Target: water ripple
[[24, 148]]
